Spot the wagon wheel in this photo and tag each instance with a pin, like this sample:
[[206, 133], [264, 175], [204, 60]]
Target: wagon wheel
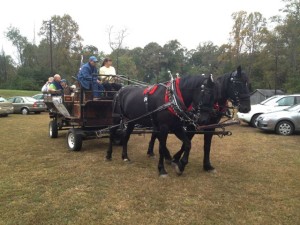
[[74, 140], [53, 130]]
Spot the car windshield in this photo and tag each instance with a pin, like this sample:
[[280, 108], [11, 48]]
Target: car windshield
[[29, 99], [3, 99], [38, 96], [293, 108], [270, 101]]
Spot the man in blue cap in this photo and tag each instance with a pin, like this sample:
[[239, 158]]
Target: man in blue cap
[[86, 78]]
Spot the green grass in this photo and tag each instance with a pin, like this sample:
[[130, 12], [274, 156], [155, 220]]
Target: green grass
[[10, 93], [257, 180]]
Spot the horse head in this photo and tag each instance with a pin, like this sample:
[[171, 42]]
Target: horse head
[[238, 90], [204, 100]]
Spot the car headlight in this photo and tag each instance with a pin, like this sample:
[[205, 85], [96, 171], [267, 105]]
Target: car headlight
[[0, 107]]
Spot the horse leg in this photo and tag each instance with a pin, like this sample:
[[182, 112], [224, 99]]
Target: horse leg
[[178, 155], [125, 139], [162, 137], [186, 146], [206, 160], [150, 151], [111, 138]]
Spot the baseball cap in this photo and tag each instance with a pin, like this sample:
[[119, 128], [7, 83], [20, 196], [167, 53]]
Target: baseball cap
[[63, 80], [93, 58]]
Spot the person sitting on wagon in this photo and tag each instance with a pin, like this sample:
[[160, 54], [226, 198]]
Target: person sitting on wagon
[[68, 90], [47, 84], [87, 80], [108, 81], [55, 88]]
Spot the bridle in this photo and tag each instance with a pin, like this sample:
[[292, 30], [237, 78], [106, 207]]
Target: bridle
[[236, 83], [206, 100]]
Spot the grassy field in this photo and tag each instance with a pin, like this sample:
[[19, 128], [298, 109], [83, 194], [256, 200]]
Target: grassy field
[[257, 180], [10, 93]]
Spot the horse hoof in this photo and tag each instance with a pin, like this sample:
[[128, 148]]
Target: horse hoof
[[151, 156], [126, 160], [212, 171], [209, 169], [163, 175], [178, 168], [108, 159]]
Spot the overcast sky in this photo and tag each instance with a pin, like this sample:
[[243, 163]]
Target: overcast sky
[[188, 21]]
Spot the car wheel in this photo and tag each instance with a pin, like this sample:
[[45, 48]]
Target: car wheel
[[53, 130], [74, 140], [24, 111], [285, 128], [253, 120]]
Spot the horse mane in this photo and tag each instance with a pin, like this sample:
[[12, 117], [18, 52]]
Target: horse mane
[[221, 86], [192, 82]]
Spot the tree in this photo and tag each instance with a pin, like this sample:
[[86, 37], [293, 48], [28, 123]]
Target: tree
[[238, 33], [115, 40], [204, 59], [290, 34], [20, 42], [67, 45], [7, 70]]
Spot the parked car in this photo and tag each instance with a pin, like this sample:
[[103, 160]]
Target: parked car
[[284, 122], [272, 104], [39, 97], [26, 105], [6, 107]]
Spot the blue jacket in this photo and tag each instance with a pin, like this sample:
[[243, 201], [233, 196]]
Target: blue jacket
[[85, 75]]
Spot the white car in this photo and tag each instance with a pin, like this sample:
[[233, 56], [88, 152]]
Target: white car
[[272, 104]]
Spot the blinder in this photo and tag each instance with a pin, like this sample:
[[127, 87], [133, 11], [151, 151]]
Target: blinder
[[236, 83]]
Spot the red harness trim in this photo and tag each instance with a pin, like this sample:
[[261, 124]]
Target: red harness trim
[[219, 108], [178, 91], [150, 90]]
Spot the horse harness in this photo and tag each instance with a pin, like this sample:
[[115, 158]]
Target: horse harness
[[173, 102]]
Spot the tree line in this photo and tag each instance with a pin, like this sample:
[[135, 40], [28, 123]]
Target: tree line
[[267, 49]]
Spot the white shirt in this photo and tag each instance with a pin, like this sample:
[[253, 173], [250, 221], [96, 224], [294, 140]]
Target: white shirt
[[107, 71]]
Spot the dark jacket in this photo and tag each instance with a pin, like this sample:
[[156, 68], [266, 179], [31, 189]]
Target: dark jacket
[[57, 88], [85, 75]]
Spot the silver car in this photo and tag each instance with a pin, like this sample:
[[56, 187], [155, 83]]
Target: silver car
[[284, 122], [5, 107], [25, 105]]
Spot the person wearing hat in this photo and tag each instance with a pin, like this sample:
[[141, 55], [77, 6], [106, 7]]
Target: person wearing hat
[[86, 78], [67, 89]]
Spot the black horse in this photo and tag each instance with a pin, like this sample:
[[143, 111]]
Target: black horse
[[130, 103], [231, 86]]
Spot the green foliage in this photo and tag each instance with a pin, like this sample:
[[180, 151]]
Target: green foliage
[[271, 57]]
